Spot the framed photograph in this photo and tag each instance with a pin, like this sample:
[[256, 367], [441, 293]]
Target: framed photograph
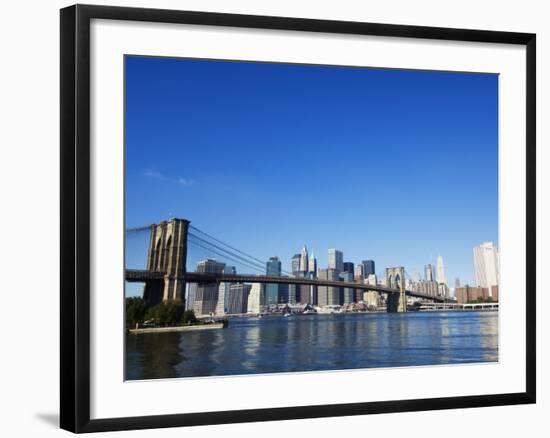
[[269, 218]]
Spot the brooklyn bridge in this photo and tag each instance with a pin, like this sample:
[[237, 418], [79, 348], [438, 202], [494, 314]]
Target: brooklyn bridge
[[165, 275]]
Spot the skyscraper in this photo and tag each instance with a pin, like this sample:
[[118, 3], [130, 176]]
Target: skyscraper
[[328, 295], [429, 272], [256, 298], [206, 295], [335, 259], [293, 293], [486, 265], [221, 306], [349, 267], [312, 265], [312, 274], [294, 289], [440, 271], [273, 269], [228, 270], [295, 263], [348, 294], [191, 295], [304, 260], [238, 298], [368, 268], [358, 273], [284, 293]]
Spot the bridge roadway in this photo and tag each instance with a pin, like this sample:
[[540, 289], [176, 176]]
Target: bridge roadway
[[134, 275]]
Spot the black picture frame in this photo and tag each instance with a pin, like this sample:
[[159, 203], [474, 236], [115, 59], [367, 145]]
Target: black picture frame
[[75, 217]]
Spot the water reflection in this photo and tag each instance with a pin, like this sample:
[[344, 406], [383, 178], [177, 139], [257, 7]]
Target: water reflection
[[316, 342], [153, 355]]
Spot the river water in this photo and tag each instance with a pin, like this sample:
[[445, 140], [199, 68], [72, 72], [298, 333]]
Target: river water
[[275, 344]]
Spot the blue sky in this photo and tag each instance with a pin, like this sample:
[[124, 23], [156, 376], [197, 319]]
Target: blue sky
[[397, 166]]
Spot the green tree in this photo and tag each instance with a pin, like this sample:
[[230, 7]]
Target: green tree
[[189, 317], [136, 308], [166, 314]]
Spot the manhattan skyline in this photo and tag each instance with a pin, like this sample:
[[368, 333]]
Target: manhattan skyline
[[391, 165]]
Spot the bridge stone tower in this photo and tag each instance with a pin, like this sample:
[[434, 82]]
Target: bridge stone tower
[[395, 278], [167, 255]]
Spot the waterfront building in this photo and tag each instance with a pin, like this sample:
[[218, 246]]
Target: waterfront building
[[284, 294], [313, 296], [371, 280], [238, 298], [190, 295], [430, 288], [371, 298], [467, 294], [348, 293], [221, 306], [486, 265], [335, 259], [440, 271], [328, 295], [256, 298], [273, 269], [442, 290], [429, 272], [298, 293], [304, 297], [368, 268], [206, 295], [292, 293]]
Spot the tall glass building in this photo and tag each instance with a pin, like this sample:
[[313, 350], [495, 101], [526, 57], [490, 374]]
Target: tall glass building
[[368, 268], [273, 269], [348, 294], [486, 265], [335, 259], [349, 267]]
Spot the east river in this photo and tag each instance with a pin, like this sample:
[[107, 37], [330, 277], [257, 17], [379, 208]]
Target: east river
[[274, 344]]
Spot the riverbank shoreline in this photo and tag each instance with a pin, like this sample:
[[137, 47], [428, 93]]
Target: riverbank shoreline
[[370, 312], [185, 328]]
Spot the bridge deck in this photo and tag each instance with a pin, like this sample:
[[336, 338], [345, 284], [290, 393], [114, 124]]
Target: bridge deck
[[133, 275]]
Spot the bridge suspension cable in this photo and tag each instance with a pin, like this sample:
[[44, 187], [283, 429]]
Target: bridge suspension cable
[[232, 250], [206, 241], [138, 229], [191, 227], [220, 251], [226, 257]]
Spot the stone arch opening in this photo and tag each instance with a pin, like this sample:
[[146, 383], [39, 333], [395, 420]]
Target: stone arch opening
[[165, 253], [156, 256]]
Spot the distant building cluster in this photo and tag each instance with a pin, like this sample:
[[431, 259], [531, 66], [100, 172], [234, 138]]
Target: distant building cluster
[[486, 268], [431, 285], [240, 298], [231, 298]]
